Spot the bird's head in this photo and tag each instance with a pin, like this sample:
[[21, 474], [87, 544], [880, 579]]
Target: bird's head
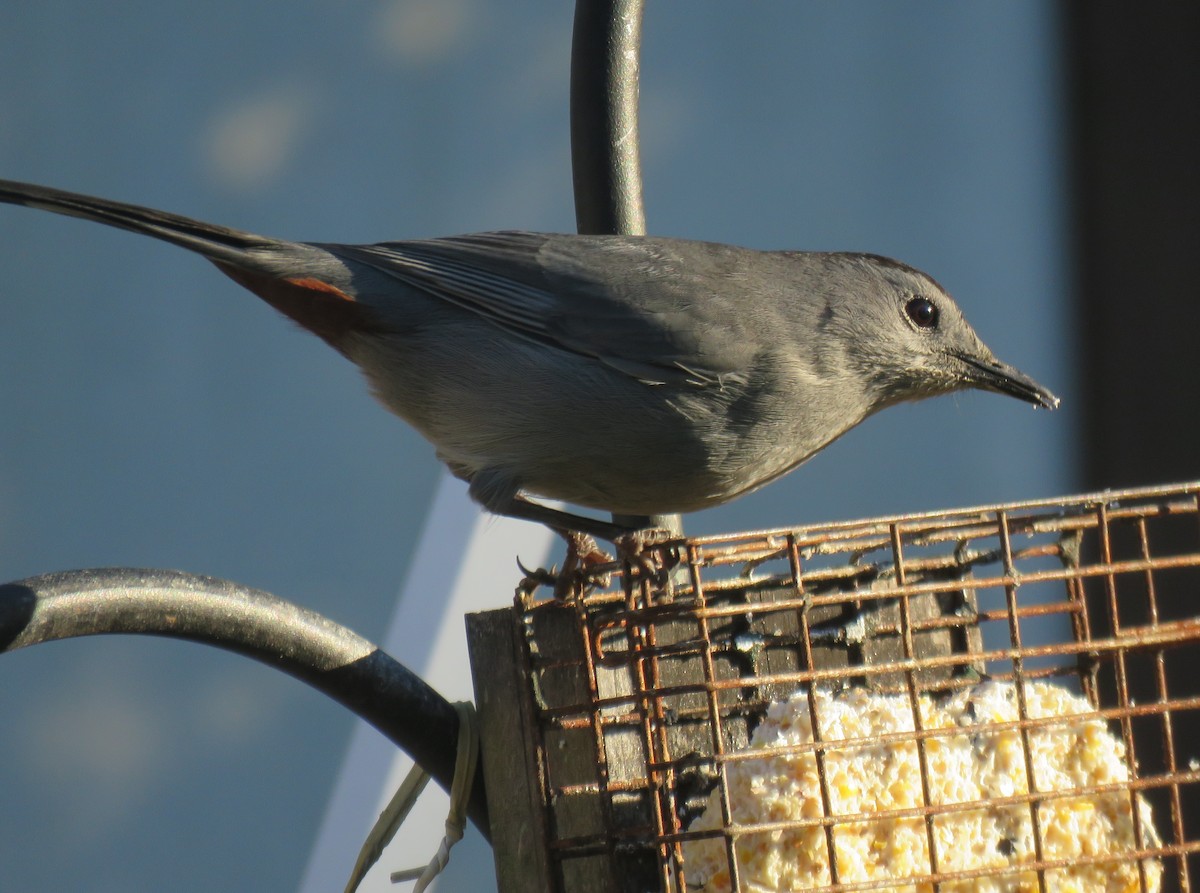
[[908, 339]]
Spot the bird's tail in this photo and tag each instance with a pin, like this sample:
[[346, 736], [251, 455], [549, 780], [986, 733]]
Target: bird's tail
[[297, 279], [218, 243]]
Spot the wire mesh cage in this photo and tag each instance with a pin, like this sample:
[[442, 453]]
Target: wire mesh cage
[[997, 698]]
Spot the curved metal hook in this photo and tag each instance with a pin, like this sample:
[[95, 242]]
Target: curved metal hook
[[253, 623]]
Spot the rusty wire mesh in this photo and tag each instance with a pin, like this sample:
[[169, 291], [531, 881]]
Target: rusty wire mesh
[[644, 696]]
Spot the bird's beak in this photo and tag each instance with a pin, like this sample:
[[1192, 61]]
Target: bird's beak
[[992, 375]]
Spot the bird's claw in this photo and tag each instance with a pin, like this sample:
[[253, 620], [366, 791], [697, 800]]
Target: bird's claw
[[639, 551], [534, 579], [587, 567]]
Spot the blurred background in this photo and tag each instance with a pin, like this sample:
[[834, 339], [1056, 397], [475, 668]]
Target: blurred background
[[1037, 158]]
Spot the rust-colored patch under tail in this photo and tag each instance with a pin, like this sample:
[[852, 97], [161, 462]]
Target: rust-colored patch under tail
[[323, 309]]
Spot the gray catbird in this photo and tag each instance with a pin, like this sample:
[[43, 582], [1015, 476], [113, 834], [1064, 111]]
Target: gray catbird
[[639, 375]]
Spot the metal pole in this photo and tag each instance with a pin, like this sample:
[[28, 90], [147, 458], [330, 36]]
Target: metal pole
[[605, 159]]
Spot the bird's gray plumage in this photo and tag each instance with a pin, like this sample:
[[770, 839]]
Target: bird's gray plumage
[[638, 375]]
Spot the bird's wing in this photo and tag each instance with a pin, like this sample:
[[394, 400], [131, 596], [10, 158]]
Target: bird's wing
[[630, 303]]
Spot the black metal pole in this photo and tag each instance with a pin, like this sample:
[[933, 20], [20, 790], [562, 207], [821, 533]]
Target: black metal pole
[[605, 148], [302, 643], [605, 159]]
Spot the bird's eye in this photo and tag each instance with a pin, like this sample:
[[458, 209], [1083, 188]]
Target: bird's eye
[[922, 312]]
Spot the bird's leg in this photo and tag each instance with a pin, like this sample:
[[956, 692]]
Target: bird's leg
[[564, 522], [500, 493], [584, 556], [586, 565]]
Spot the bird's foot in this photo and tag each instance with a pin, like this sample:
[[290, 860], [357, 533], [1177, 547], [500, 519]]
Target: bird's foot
[[641, 551], [586, 567]]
